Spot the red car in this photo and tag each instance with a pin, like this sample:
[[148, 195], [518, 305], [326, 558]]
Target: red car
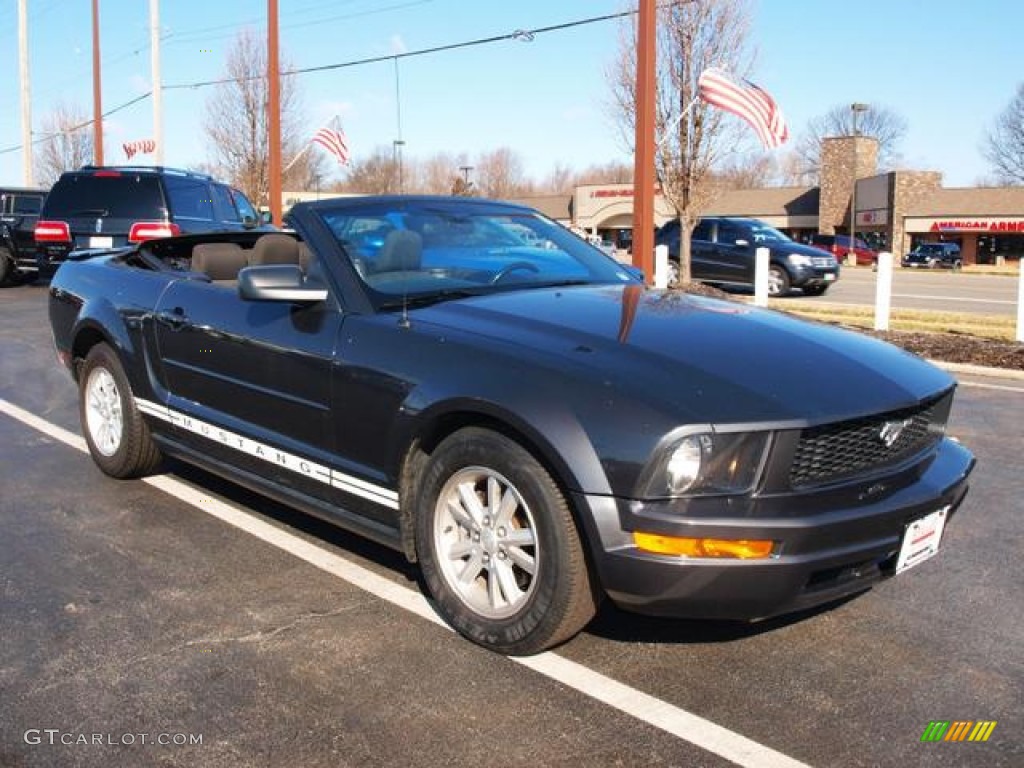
[[839, 246]]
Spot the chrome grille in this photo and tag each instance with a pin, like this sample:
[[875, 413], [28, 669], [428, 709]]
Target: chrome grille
[[844, 449], [823, 262]]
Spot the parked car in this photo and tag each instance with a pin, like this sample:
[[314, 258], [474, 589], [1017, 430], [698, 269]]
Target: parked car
[[109, 206], [19, 210], [840, 247], [722, 251], [933, 256], [529, 424]]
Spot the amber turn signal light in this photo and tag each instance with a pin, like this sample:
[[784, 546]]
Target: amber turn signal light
[[742, 549]]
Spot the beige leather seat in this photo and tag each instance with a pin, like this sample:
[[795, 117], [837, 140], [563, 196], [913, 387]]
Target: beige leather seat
[[275, 248], [221, 262]]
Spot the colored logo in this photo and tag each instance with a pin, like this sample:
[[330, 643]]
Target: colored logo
[[958, 730]]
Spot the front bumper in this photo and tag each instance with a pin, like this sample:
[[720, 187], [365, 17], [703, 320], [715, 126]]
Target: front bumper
[[813, 276], [840, 542]]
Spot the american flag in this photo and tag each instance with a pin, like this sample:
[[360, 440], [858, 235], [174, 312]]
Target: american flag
[[749, 101], [334, 141], [143, 146]]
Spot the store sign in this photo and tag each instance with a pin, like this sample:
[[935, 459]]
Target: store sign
[[979, 225]]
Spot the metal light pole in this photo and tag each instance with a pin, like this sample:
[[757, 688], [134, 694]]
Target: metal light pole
[[396, 159], [158, 93], [855, 108]]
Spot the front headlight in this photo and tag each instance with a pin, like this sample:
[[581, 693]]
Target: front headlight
[[704, 463], [800, 260]]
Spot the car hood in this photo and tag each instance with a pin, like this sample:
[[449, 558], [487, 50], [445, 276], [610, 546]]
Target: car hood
[[694, 357], [799, 248]]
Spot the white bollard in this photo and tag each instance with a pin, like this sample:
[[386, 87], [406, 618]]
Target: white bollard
[[883, 291], [761, 261], [661, 266], [1020, 300]]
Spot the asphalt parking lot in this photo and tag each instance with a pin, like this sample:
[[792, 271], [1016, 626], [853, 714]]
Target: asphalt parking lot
[[183, 621]]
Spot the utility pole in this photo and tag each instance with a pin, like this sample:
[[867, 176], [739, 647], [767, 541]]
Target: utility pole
[[26, 101], [643, 170], [97, 101], [158, 96], [273, 113]]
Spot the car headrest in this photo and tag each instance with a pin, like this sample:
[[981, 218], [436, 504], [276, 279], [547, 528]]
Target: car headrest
[[275, 248], [218, 261], [401, 252]]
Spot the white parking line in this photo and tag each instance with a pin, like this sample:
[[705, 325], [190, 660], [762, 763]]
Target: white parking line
[[635, 703]]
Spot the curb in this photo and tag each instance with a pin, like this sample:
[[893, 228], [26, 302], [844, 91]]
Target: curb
[[980, 370]]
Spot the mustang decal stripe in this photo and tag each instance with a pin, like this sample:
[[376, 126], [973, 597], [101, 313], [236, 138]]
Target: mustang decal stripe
[[272, 455]]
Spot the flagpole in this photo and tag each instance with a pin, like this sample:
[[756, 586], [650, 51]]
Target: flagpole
[[670, 128], [295, 159]]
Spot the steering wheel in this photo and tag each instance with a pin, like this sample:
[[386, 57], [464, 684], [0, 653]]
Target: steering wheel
[[515, 266]]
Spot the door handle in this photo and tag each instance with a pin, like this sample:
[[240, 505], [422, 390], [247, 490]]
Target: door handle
[[176, 319]]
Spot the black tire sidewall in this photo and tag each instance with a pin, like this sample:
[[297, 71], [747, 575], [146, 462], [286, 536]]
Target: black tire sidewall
[[529, 629], [129, 460]]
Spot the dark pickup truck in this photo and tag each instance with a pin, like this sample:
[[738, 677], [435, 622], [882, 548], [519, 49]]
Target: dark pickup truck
[[470, 383], [19, 211]]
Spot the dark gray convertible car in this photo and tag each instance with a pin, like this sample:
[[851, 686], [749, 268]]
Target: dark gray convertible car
[[470, 383]]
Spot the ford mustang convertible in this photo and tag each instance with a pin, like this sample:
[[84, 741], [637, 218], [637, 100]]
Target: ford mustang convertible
[[470, 383]]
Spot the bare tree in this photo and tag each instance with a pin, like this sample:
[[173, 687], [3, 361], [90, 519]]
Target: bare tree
[[878, 122], [376, 174], [236, 124], [69, 145], [692, 37], [439, 173], [1003, 145], [500, 174]]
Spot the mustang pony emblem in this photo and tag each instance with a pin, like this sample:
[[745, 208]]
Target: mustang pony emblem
[[891, 431]]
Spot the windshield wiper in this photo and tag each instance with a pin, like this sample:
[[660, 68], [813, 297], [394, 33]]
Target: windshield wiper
[[425, 299]]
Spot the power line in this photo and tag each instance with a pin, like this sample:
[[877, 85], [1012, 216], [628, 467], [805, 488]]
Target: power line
[[78, 127], [525, 35]]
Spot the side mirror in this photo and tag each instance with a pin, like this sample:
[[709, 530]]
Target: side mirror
[[279, 282]]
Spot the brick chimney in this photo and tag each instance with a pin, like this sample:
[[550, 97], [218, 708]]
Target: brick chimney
[[841, 158]]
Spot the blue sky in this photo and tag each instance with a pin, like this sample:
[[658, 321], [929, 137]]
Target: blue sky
[[947, 66]]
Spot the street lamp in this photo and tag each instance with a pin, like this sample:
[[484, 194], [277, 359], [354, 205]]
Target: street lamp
[[396, 156], [855, 108]]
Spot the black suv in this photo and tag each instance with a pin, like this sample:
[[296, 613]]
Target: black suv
[[107, 207], [19, 210], [722, 250], [933, 255]]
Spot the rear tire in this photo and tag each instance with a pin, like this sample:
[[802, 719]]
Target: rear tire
[[117, 436], [498, 546], [7, 269]]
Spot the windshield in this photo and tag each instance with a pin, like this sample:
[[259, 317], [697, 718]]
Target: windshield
[[762, 233], [429, 249]]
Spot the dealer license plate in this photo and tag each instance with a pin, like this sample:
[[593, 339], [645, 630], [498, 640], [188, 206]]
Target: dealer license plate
[[921, 539], [101, 242]]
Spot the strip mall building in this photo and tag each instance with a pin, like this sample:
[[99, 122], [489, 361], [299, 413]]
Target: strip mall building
[[894, 211]]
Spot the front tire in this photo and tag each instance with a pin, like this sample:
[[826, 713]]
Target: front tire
[[778, 281], [498, 546], [118, 438]]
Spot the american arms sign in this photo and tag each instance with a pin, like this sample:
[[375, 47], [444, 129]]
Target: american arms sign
[[976, 224]]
